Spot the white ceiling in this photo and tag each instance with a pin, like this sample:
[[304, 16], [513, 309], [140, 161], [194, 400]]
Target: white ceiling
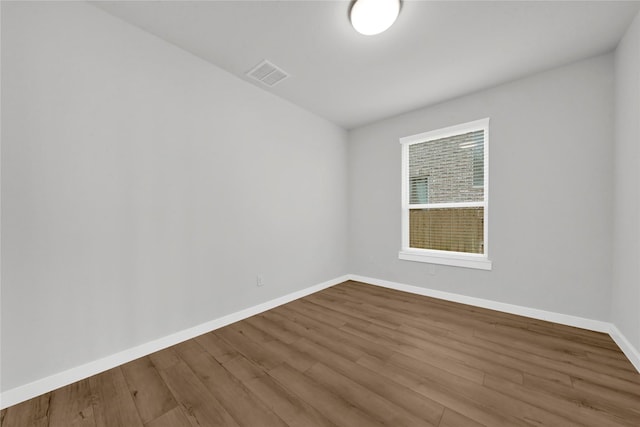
[[436, 50]]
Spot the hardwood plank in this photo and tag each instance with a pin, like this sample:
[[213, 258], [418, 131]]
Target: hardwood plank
[[428, 309], [596, 373], [397, 394], [442, 314], [241, 405], [445, 396], [617, 360], [488, 354], [421, 346], [150, 394], [217, 347], [287, 405], [577, 335], [32, 413], [371, 403], [248, 348], [578, 411], [550, 348], [200, 406], [407, 313], [577, 346], [352, 312], [320, 334], [453, 419], [388, 300], [620, 399], [164, 359], [288, 322], [112, 402], [277, 350], [334, 407], [609, 407], [341, 337], [173, 418], [244, 370], [72, 406], [446, 364], [506, 355], [265, 324], [189, 347], [485, 396], [305, 306]]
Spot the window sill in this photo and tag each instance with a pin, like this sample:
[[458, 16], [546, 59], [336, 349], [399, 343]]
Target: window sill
[[467, 261]]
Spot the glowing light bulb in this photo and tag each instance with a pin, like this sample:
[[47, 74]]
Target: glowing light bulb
[[371, 17]]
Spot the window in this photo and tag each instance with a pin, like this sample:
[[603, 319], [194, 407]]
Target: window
[[444, 196]]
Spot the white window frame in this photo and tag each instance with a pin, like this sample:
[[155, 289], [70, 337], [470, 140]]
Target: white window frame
[[459, 259]]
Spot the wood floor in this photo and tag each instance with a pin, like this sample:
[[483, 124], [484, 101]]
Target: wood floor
[[356, 355]]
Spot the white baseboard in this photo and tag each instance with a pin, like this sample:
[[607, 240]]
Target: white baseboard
[[45, 385], [627, 348], [579, 322]]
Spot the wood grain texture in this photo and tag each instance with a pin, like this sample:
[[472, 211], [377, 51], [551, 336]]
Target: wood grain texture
[[150, 393], [360, 355], [72, 406], [113, 404], [173, 418]]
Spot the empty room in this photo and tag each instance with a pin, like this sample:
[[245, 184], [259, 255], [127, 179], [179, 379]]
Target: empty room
[[320, 213]]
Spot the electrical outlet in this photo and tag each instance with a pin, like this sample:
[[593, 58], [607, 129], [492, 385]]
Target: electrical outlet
[[259, 281]]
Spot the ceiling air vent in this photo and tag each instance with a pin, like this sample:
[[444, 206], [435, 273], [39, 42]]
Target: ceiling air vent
[[267, 73]]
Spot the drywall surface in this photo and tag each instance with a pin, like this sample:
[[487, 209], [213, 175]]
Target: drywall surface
[[550, 196], [626, 213], [143, 190]]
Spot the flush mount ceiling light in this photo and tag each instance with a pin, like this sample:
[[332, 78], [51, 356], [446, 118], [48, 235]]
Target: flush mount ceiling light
[[371, 17]]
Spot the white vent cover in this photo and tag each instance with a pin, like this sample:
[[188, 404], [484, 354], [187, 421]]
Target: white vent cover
[[267, 73]]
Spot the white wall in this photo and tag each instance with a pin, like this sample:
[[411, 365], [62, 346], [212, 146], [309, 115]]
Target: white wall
[[144, 189], [626, 213], [550, 192]]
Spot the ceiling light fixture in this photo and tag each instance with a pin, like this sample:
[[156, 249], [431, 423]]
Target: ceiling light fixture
[[371, 17]]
